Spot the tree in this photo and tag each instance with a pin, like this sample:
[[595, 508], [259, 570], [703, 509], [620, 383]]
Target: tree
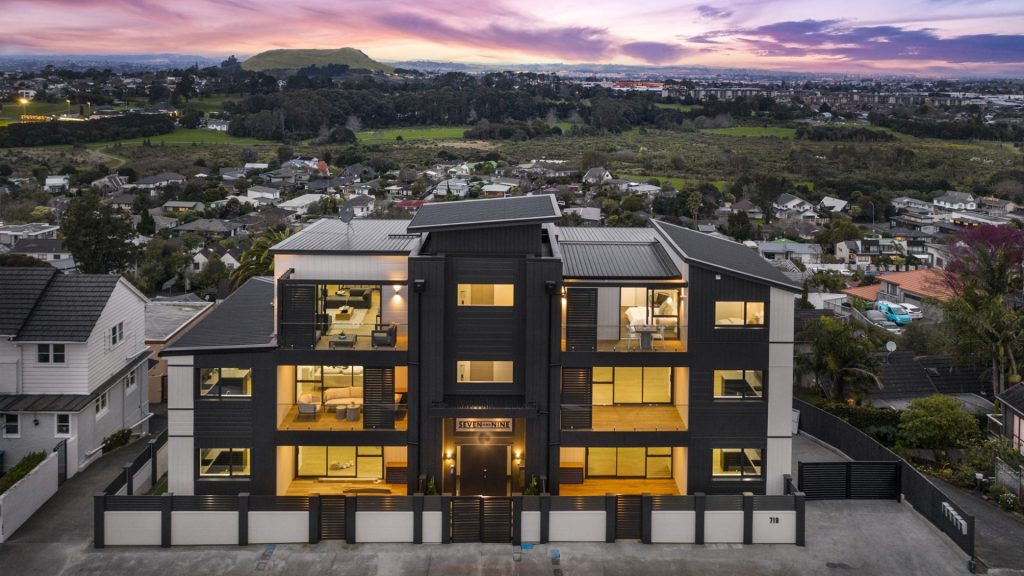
[[837, 231], [984, 275], [740, 227], [21, 261], [98, 237], [693, 202], [147, 225], [842, 356], [937, 422], [210, 277], [160, 261], [285, 153], [257, 260]]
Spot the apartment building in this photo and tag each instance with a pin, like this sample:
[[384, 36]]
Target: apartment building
[[72, 360], [479, 348]]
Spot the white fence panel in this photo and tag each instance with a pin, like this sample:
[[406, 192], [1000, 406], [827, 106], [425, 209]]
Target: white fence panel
[[131, 528], [204, 528], [22, 500], [432, 528], [384, 526], [531, 526], [278, 527], [723, 527], [142, 482], [774, 527], [673, 527], [584, 526], [161, 461]]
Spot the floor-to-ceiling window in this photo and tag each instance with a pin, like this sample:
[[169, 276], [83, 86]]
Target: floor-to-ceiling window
[[632, 385], [357, 462], [638, 462]]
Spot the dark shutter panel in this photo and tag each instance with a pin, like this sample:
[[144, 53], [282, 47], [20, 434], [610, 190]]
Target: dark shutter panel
[[298, 329], [379, 398], [577, 397], [581, 320]]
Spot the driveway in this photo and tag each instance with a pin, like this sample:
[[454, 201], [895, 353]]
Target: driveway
[[998, 538]]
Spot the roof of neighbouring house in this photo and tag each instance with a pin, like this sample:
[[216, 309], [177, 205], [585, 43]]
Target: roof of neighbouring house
[[209, 225], [926, 282], [21, 288], [867, 292], [43, 314], [358, 236], [164, 319], [245, 319], [37, 245], [906, 375], [1014, 397], [467, 214], [161, 177], [722, 254]]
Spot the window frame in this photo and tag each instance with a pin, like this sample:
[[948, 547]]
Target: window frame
[[742, 476], [131, 381], [459, 381], [743, 397], [468, 286], [357, 456], [52, 351], [102, 404], [643, 385], [56, 425], [745, 324], [17, 425], [231, 475], [116, 334], [647, 457], [220, 394]]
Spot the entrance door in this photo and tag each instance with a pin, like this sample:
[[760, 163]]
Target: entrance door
[[483, 470]]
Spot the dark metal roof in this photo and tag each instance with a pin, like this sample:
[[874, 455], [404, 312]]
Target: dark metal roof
[[1014, 397], [243, 320], [904, 377], [68, 309], [21, 289], [37, 245], [616, 260], [719, 253], [489, 212], [599, 234], [360, 236], [65, 402]]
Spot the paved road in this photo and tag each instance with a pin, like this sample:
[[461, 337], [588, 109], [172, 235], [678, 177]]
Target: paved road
[[999, 537]]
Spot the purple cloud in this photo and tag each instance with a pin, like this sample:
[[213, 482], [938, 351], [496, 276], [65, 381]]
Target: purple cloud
[[653, 52], [711, 13]]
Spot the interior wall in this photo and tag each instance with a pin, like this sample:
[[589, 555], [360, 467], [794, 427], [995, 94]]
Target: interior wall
[[681, 392], [285, 468], [285, 390], [679, 468], [576, 455], [395, 454], [395, 307]]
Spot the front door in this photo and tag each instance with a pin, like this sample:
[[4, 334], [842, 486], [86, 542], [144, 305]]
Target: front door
[[483, 470]]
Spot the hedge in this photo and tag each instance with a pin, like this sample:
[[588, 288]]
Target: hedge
[[20, 470]]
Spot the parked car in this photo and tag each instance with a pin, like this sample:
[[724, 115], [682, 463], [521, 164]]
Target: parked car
[[878, 319], [895, 313], [914, 311], [890, 326]]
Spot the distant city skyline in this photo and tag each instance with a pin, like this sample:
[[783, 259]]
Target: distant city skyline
[[928, 37]]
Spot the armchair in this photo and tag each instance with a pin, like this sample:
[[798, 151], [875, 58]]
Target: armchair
[[385, 335]]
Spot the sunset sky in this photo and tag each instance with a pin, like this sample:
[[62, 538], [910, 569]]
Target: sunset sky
[[916, 36]]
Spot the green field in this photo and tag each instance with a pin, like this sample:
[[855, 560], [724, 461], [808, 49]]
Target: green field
[[13, 110], [209, 104], [680, 107], [188, 136], [677, 183], [415, 133], [754, 131]]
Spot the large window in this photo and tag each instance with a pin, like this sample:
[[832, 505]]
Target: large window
[[739, 314], [736, 463], [362, 462], [224, 462], [641, 462], [486, 294], [329, 384], [741, 384], [225, 382], [12, 426], [484, 371], [50, 353], [632, 385]]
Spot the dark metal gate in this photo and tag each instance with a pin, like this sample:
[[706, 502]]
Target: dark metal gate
[[849, 480], [62, 461], [332, 517], [481, 519], [627, 517]]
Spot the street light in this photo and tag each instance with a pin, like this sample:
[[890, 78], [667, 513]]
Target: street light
[[24, 102], [69, 106]]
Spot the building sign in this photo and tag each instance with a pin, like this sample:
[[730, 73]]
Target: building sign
[[483, 425]]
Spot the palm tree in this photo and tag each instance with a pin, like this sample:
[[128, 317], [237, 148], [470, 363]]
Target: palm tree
[[257, 260], [841, 355]]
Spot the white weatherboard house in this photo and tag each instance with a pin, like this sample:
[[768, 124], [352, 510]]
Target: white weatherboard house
[[72, 360]]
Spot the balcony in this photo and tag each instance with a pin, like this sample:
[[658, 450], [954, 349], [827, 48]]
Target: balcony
[[341, 417], [330, 316], [334, 334], [625, 417], [994, 425], [660, 335]]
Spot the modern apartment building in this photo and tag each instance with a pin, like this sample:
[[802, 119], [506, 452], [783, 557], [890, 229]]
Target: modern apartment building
[[72, 363], [480, 346]]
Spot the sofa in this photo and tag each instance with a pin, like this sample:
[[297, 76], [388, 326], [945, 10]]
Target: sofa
[[340, 396]]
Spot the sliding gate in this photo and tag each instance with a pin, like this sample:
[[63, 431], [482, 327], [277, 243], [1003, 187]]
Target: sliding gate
[[850, 480], [481, 519]]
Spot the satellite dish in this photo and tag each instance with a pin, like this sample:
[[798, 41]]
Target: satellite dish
[[347, 213], [890, 346]]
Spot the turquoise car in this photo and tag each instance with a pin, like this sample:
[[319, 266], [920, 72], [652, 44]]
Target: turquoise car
[[893, 312]]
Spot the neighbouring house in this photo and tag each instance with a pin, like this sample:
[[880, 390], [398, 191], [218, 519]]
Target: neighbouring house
[[162, 221], [590, 216], [72, 358], [165, 322], [123, 201], [306, 374], [867, 251], [952, 200], [109, 184], [996, 206], [359, 172], [496, 190], [231, 258], [362, 204], [833, 205], [208, 227], [265, 218], [790, 206], [160, 180], [217, 125], [301, 204], [182, 206], [752, 210], [50, 250], [457, 187], [264, 192], [410, 206], [1011, 422], [289, 174], [597, 175], [907, 376], [806, 253], [12, 233], [59, 184], [327, 186], [908, 203], [917, 287], [915, 220], [232, 174]]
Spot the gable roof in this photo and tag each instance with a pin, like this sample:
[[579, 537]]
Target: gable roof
[[722, 254], [467, 214], [616, 259], [21, 288], [358, 236], [1014, 397], [926, 282], [245, 319], [67, 310]]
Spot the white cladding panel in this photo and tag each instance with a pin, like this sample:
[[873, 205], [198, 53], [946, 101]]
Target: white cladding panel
[[180, 466], [723, 527], [583, 526], [342, 267], [673, 526], [780, 389]]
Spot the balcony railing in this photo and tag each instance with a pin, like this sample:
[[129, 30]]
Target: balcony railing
[[625, 417], [994, 424], [661, 336], [333, 335], [342, 417]]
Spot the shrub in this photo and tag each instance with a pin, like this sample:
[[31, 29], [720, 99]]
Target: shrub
[[937, 422], [20, 470], [431, 487], [1007, 502], [532, 489], [116, 440], [983, 456], [996, 491], [965, 477]]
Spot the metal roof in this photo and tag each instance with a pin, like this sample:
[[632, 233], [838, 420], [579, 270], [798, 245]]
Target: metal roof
[[163, 319], [359, 236], [67, 310], [1014, 397], [616, 260], [489, 212], [726, 255], [244, 319], [595, 234]]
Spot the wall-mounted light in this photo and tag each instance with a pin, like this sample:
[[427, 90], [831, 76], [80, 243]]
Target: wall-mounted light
[[518, 455], [398, 288], [448, 455]]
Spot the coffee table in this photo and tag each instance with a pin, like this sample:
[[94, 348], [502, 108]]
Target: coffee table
[[344, 313], [342, 340]]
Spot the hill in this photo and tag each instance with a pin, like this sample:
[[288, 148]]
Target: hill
[[286, 59]]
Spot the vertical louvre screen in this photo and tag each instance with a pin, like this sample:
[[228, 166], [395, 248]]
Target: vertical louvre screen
[[627, 517], [332, 517], [298, 329], [577, 397], [465, 519], [581, 320], [378, 398]]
